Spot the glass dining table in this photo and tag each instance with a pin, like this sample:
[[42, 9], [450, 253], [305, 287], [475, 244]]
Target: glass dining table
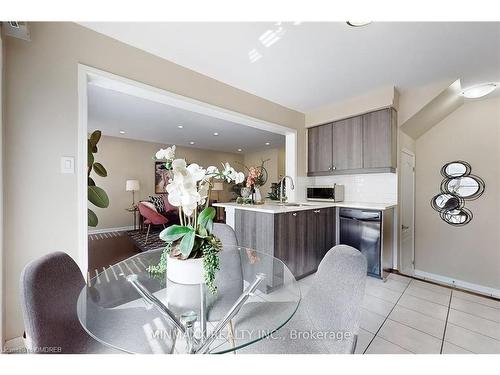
[[132, 310]]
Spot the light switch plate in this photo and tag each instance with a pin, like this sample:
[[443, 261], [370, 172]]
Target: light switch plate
[[67, 164]]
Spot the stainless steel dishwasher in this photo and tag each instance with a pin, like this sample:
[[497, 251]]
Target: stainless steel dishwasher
[[365, 230]]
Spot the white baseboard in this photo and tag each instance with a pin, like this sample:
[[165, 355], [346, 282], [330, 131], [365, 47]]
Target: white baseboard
[[490, 292], [107, 230]]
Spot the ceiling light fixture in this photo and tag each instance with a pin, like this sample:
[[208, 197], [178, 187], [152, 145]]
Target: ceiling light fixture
[[239, 150], [180, 126], [191, 143], [267, 143], [216, 134], [479, 91], [122, 131], [358, 23]]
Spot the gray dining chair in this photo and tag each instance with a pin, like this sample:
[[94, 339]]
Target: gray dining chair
[[332, 307], [49, 288]]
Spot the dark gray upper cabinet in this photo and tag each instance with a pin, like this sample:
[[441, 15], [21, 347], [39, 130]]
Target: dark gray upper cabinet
[[320, 149], [379, 139], [360, 144], [347, 144]]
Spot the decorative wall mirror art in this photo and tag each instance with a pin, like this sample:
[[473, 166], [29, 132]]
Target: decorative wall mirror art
[[457, 187]]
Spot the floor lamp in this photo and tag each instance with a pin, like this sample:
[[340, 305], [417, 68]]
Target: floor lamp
[[133, 186]]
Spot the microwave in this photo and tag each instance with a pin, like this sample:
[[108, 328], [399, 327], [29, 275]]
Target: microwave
[[331, 193]]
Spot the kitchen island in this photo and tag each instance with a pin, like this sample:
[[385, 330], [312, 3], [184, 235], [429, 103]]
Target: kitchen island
[[299, 234]]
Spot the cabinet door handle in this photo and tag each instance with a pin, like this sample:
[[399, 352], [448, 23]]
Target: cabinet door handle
[[294, 214], [334, 167], [317, 211]]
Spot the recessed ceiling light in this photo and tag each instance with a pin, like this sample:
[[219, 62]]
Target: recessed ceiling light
[[239, 150], [479, 91], [191, 143], [216, 134], [358, 23], [180, 126], [267, 143], [122, 131]]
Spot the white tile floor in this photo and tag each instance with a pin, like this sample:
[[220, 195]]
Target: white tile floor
[[403, 315]]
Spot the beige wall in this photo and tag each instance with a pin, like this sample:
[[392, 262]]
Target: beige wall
[[41, 126], [275, 166], [127, 159], [470, 253]]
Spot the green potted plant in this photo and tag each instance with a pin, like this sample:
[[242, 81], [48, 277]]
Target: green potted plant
[[191, 252]]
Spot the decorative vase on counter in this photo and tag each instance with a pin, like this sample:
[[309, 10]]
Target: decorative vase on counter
[[257, 197]]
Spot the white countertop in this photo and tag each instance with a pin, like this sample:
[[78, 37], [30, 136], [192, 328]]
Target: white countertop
[[276, 209]]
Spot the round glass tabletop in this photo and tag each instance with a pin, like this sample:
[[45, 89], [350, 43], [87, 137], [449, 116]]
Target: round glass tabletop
[[128, 308]]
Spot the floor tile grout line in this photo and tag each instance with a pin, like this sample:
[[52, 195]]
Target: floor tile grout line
[[416, 329], [474, 315], [470, 330], [446, 322], [409, 308], [387, 317], [393, 343], [478, 303], [425, 299], [461, 347]]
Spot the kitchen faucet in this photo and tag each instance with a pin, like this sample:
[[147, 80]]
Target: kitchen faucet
[[282, 185]]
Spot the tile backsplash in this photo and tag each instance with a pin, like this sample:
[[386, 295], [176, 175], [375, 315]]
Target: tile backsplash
[[373, 187]]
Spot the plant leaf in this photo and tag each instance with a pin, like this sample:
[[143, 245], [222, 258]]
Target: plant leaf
[[90, 182], [100, 170], [202, 231], [187, 243], [94, 138], [206, 215], [90, 159], [91, 218], [174, 232], [98, 196]]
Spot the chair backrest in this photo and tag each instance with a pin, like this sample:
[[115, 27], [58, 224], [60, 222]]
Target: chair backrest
[[153, 216], [50, 287], [168, 206], [226, 234], [334, 300]]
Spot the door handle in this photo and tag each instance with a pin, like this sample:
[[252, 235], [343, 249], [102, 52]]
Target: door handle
[[294, 214], [404, 227], [317, 211]]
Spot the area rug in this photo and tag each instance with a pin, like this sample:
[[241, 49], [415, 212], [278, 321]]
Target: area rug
[[138, 238]]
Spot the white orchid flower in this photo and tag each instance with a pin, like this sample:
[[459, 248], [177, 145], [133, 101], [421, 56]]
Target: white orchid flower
[[160, 154], [240, 177], [197, 172], [170, 153]]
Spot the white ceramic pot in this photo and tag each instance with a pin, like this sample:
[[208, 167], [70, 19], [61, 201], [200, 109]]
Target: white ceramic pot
[[188, 271]]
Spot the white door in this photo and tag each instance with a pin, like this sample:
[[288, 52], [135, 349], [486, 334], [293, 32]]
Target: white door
[[407, 253]]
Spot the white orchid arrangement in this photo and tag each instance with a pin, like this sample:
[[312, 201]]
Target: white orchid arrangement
[[189, 189]]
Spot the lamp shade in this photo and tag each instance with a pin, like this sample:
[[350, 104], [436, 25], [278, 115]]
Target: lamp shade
[[218, 186], [132, 185]]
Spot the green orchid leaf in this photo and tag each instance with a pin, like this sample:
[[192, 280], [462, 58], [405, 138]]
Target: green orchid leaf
[[206, 215], [202, 231], [210, 226], [98, 196], [92, 218], [187, 243], [95, 137], [100, 170], [90, 182], [174, 232]]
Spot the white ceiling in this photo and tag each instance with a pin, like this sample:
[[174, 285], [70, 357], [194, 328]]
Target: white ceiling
[[313, 64], [111, 111]]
